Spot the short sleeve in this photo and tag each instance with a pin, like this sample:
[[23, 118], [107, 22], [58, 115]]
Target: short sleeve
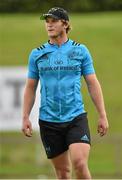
[[87, 63], [33, 72]]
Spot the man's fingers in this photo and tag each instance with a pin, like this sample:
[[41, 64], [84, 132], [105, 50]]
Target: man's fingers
[[30, 128], [102, 130], [23, 130], [27, 132], [27, 128], [99, 129], [105, 130]]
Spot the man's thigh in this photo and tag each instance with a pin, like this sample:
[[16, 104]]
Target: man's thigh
[[79, 151], [62, 160]]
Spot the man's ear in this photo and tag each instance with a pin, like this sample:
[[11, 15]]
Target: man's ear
[[66, 24]]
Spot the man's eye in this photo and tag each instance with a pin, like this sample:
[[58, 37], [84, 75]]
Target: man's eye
[[54, 20]]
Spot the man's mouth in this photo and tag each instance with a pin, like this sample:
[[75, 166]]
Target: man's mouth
[[50, 30]]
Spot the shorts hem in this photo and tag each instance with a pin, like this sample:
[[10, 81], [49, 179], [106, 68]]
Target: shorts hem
[[57, 154], [86, 142]]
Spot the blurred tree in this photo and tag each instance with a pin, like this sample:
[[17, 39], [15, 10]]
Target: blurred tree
[[70, 5]]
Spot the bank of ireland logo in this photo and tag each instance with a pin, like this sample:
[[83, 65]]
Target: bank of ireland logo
[[58, 62]]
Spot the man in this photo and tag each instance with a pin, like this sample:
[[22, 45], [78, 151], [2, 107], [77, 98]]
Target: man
[[59, 65]]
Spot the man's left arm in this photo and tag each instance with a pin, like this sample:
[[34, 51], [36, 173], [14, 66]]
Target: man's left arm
[[95, 91]]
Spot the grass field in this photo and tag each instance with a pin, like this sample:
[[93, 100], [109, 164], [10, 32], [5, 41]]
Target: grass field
[[25, 158], [102, 33]]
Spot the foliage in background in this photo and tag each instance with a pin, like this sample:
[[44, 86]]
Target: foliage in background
[[70, 5]]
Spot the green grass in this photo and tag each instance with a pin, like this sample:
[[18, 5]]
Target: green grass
[[23, 157], [102, 33]]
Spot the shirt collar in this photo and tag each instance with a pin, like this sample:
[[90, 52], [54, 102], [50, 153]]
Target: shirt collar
[[57, 45]]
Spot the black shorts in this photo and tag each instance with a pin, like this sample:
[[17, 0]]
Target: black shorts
[[57, 137]]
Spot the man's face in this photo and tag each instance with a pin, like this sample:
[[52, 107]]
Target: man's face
[[54, 27]]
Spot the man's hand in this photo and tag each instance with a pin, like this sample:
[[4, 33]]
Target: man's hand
[[27, 128], [102, 126]]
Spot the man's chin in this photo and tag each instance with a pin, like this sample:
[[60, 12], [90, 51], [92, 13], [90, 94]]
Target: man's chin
[[53, 36]]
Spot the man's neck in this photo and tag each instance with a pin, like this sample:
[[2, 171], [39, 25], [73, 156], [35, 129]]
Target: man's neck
[[58, 40]]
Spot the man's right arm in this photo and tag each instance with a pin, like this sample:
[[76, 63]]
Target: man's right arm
[[28, 102]]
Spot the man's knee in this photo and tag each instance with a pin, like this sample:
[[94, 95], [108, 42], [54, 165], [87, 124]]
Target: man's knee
[[80, 164], [63, 172]]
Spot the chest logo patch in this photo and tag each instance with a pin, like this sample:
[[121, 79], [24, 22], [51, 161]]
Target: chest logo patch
[[58, 62]]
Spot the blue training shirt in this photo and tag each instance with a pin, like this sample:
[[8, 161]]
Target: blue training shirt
[[59, 69]]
